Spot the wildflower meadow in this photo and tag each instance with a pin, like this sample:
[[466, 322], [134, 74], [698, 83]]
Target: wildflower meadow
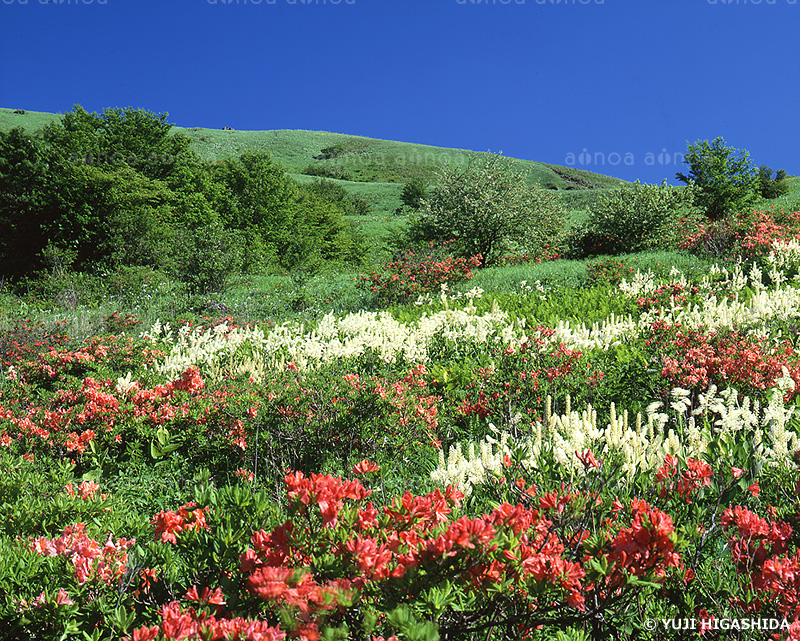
[[616, 461]]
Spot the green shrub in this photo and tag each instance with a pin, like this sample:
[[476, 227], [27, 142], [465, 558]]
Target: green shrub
[[131, 284], [770, 187], [725, 178], [350, 204], [488, 209], [327, 171], [355, 205], [328, 189], [209, 258], [110, 189], [414, 193], [632, 219]]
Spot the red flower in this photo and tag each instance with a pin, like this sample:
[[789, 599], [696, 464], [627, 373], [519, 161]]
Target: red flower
[[588, 459], [365, 467]]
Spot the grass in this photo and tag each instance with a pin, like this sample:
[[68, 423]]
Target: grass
[[368, 167], [277, 298], [30, 120], [384, 198]]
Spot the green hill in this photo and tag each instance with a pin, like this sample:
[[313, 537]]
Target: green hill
[[371, 168]]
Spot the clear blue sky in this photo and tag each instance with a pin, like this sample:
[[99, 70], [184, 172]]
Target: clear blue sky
[[617, 82]]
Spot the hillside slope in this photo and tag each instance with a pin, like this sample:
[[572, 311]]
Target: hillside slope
[[372, 168]]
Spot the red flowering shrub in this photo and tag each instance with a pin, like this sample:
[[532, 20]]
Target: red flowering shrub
[[89, 559], [759, 550], [697, 474], [693, 359], [665, 296], [412, 275], [188, 517], [747, 235], [25, 340], [340, 559], [607, 272]]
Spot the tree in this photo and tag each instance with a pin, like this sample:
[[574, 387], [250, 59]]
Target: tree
[[25, 169], [136, 138], [770, 187], [486, 208], [632, 219], [414, 193], [104, 190], [725, 178], [296, 226]]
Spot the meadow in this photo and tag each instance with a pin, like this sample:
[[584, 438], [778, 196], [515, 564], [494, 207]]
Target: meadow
[[529, 452], [604, 448]]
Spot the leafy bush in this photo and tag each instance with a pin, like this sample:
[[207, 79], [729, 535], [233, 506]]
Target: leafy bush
[[110, 189], [769, 186], [209, 258], [327, 171], [412, 275], [350, 204], [632, 219], [355, 205], [487, 209], [746, 236], [725, 178], [297, 225], [413, 193]]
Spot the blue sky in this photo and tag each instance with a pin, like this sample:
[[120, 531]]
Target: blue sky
[[615, 86]]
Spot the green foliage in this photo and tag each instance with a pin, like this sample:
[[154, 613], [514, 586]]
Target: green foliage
[[297, 226], [412, 275], [413, 193], [487, 208], [633, 219], [258, 197], [107, 189], [608, 272], [120, 188], [327, 170], [136, 138], [209, 258], [772, 187], [725, 177], [26, 166], [349, 204]]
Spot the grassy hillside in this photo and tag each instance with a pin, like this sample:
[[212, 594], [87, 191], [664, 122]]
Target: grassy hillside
[[33, 120], [374, 169]]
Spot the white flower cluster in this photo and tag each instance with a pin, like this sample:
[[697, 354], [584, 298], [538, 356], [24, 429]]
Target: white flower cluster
[[444, 297], [784, 256], [756, 314], [604, 335], [334, 338], [716, 307], [226, 350], [638, 447], [213, 347]]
